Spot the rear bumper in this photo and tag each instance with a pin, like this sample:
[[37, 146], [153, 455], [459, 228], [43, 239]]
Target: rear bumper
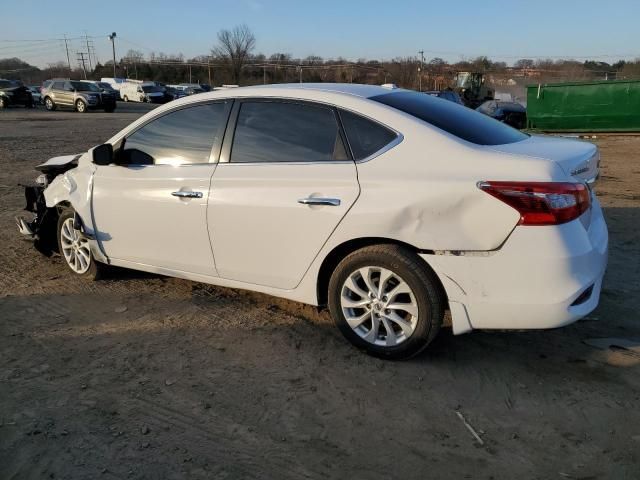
[[542, 277]]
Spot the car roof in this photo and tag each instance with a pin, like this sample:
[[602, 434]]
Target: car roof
[[356, 89]]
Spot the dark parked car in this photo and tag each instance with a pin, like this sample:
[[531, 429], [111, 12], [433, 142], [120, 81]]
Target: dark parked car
[[81, 96], [447, 95], [171, 93], [511, 113], [13, 92], [104, 87]]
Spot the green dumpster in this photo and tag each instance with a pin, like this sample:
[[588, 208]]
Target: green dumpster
[[603, 106]]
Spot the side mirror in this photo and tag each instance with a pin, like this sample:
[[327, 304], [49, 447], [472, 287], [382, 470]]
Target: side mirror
[[103, 154]]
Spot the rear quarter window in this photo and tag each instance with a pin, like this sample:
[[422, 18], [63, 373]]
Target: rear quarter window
[[365, 136], [455, 119]]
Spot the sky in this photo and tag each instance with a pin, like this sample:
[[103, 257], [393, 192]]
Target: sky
[[501, 30]]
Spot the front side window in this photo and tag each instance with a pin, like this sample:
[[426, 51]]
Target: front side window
[[457, 120], [181, 137], [286, 132], [365, 136]]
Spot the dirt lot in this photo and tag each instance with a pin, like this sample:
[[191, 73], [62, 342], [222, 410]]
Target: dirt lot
[[192, 381]]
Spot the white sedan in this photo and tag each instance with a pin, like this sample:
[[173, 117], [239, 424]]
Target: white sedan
[[386, 205]]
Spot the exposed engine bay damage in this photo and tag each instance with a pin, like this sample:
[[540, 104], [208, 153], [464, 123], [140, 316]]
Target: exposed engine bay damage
[[52, 191]]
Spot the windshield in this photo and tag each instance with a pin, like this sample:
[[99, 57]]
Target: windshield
[[462, 80], [150, 89], [455, 119], [84, 87]]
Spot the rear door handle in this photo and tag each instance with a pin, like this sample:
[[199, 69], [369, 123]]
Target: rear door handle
[[333, 202], [185, 194]]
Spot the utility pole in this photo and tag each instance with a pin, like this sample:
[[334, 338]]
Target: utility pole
[[189, 73], [300, 72], [421, 52], [66, 46], [81, 62], [209, 72], [86, 39], [264, 74], [112, 37]]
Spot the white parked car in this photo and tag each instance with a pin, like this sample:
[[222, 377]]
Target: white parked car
[[386, 205]]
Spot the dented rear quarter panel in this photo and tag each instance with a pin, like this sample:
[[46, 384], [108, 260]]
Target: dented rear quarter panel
[[423, 192]]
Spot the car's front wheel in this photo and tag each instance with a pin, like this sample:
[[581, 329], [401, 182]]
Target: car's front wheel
[[75, 249], [386, 301]]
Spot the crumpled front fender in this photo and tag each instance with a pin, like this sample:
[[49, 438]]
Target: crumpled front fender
[[74, 187]]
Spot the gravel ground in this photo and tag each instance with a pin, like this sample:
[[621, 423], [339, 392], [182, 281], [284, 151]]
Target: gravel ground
[[141, 376]]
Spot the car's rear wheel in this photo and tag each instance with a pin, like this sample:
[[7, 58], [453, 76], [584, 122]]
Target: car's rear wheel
[[49, 105], [125, 98], [81, 107], [386, 301], [75, 249], [3, 103]]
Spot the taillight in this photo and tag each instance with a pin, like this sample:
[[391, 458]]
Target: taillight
[[541, 203]]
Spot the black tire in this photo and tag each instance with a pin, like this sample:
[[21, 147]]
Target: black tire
[[96, 269], [416, 274], [49, 104], [81, 106], [3, 103]]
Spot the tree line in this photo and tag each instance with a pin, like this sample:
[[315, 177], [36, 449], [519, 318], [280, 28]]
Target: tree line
[[232, 61]]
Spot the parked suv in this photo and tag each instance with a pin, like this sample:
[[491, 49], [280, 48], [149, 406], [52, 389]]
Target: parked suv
[[104, 87], [81, 96], [13, 92]]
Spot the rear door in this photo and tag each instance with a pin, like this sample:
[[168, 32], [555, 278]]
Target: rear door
[[57, 93], [283, 184]]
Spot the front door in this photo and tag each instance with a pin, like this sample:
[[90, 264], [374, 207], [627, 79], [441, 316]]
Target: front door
[[150, 207], [284, 183]]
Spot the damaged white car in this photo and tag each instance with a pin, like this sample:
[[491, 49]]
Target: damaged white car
[[386, 205]]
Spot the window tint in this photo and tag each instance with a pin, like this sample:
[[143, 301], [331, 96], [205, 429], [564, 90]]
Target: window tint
[[183, 136], [58, 85], [460, 121], [365, 137], [286, 132]]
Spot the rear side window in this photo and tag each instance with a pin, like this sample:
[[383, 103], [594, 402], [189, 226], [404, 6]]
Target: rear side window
[[457, 120], [365, 136], [58, 85], [179, 137], [286, 132]]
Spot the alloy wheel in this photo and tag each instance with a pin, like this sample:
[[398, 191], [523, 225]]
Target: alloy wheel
[[379, 306], [75, 248]]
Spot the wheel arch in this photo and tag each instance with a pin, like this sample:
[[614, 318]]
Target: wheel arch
[[335, 256]]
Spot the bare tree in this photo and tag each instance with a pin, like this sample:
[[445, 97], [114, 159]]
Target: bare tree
[[234, 47]]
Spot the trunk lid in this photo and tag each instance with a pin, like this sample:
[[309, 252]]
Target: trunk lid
[[578, 159]]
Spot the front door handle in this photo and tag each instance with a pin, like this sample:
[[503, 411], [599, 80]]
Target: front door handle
[[185, 194], [333, 202]]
